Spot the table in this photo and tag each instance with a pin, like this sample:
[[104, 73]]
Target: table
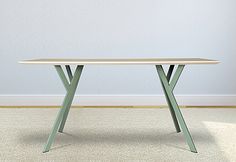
[[168, 82]]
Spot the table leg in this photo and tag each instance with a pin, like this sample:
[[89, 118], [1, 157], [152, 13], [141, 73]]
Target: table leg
[[168, 88], [62, 115], [171, 68], [70, 75]]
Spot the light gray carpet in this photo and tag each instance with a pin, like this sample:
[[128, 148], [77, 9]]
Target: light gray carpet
[[117, 135]]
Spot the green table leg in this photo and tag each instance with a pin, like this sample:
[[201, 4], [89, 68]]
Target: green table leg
[[68, 69], [171, 68], [168, 88], [71, 88]]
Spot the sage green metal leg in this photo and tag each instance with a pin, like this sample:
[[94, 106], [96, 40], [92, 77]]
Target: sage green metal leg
[[62, 125], [71, 88], [171, 68], [169, 91]]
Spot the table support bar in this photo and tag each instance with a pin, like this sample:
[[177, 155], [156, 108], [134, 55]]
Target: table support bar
[[63, 113], [168, 87], [172, 112]]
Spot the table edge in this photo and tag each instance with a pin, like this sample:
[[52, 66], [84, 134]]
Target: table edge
[[119, 63]]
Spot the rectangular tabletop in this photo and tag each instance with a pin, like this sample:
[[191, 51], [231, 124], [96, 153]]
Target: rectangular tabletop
[[123, 61]]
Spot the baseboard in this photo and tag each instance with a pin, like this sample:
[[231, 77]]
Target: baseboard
[[117, 100]]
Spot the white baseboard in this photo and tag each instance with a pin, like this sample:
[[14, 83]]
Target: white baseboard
[[117, 100]]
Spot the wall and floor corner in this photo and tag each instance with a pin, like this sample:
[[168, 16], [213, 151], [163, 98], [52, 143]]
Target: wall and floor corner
[[151, 28]]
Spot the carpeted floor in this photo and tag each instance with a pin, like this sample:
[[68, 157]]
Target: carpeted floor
[[117, 135]]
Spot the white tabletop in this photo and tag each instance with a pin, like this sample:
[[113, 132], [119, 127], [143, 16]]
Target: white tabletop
[[122, 61]]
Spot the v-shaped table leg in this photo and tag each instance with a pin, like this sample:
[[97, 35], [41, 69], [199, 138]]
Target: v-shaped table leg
[[171, 68], [168, 87], [62, 115], [70, 75]]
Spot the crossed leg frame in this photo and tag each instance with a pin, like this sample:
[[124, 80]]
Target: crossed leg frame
[[168, 86], [70, 86]]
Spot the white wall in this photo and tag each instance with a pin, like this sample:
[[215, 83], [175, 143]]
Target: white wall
[[117, 28]]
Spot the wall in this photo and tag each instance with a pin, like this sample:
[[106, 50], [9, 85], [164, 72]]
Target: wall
[[111, 28]]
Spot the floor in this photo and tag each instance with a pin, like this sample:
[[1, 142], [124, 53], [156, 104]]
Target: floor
[[117, 135]]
